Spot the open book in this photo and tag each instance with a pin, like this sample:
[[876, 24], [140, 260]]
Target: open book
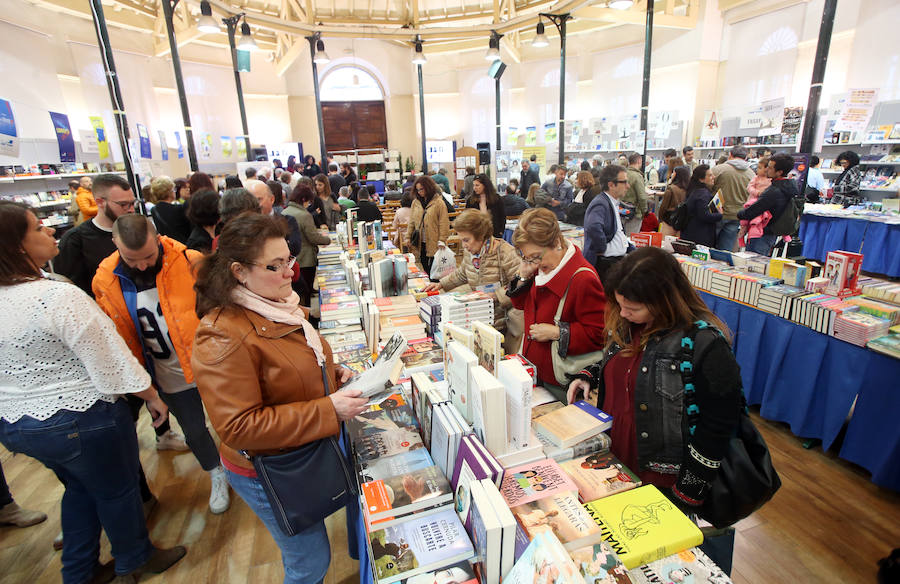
[[385, 371]]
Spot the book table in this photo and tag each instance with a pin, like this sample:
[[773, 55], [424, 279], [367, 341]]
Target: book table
[[878, 242], [810, 381]]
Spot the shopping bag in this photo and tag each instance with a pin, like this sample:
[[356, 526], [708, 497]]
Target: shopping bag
[[444, 262]]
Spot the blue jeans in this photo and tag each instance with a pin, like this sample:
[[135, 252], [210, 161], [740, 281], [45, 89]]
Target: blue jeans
[[762, 245], [306, 555], [95, 455], [728, 234]]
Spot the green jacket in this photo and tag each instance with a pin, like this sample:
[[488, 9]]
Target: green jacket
[[637, 192], [312, 237]]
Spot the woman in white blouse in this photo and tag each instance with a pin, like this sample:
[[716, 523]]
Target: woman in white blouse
[[62, 369]]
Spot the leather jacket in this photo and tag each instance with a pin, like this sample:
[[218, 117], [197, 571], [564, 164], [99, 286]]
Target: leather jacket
[[665, 443], [260, 383]]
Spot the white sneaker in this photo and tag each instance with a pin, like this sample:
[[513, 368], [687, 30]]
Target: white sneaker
[[171, 440], [219, 497]]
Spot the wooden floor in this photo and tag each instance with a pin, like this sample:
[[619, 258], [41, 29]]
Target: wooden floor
[[828, 524]]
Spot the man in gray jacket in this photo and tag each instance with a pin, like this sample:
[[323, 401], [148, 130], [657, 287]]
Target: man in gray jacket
[[732, 179]]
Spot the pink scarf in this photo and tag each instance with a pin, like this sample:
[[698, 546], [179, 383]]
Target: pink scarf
[[285, 311]]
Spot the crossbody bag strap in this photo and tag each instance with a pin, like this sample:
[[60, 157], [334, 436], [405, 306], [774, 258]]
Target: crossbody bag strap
[[562, 301]]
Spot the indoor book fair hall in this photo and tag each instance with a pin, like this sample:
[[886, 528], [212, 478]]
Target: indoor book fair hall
[[449, 292]]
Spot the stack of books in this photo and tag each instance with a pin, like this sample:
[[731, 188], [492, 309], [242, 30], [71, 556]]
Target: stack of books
[[859, 328], [885, 310], [330, 255], [422, 356], [818, 311], [463, 309], [888, 344], [572, 424], [430, 312]]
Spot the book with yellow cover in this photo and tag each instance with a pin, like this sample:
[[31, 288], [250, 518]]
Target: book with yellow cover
[[642, 526]]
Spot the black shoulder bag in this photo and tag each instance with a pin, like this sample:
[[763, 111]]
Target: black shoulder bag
[[746, 479], [305, 485]]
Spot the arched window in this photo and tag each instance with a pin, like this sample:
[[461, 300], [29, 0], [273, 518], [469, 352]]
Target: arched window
[[782, 39], [350, 83]]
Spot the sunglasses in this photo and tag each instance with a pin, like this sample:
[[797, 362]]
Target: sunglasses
[[278, 266]]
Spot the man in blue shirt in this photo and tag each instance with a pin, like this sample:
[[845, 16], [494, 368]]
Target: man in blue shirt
[[815, 181], [560, 191]]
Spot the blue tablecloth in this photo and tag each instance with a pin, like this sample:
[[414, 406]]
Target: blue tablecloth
[[809, 381], [880, 242]]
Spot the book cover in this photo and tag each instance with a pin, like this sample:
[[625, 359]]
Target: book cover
[[642, 525], [458, 573], [518, 385], [544, 561], [388, 443], [561, 514], [459, 361], [488, 346], [536, 480], [489, 459], [687, 566], [598, 444], [469, 467], [418, 546], [599, 564], [404, 493], [573, 423], [508, 526], [389, 466], [487, 535], [599, 475], [488, 400], [385, 371]]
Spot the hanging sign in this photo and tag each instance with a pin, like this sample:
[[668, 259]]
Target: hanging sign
[[178, 143], [100, 132], [710, 129], [531, 136], [144, 139], [63, 137], [751, 119], [513, 136], [88, 141], [9, 138], [857, 110], [163, 144], [206, 146], [226, 146], [793, 118], [241, 148], [550, 133], [771, 117]]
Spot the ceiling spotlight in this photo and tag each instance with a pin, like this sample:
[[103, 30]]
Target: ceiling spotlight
[[620, 4], [541, 39], [419, 56], [246, 43], [493, 52], [207, 23], [321, 57]]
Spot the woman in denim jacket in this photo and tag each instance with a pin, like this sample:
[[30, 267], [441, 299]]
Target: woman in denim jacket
[[672, 440]]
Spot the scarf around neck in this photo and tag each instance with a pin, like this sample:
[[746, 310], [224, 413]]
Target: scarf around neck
[[286, 311]]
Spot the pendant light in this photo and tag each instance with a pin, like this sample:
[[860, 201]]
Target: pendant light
[[541, 39], [207, 23]]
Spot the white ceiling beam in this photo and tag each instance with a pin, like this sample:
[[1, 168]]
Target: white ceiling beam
[[296, 48]]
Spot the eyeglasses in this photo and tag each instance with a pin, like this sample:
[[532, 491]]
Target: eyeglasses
[[125, 204], [531, 260], [279, 265]]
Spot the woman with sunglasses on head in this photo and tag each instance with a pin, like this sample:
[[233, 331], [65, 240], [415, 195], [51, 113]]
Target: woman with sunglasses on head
[[485, 198], [261, 369], [671, 437], [552, 271]]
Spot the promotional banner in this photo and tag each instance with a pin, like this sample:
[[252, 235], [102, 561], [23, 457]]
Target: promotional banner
[[550, 132], [513, 136], [793, 118], [206, 146], [710, 129], [751, 119], [857, 110], [600, 126], [540, 154], [771, 117], [9, 138], [226, 146], [531, 136], [164, 146], [100, 132], [662, 123], [573, 129], [242, 148], [628, 125], [801, 169], [64, 136], [178, 143], [144, 138], [88, 141]]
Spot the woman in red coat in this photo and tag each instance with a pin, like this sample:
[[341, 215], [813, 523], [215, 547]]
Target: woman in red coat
[[549, 265]]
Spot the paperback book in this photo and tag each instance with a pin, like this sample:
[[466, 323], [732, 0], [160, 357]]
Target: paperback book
[[690, 565], [573, 423], [599, 475], [545, 560], [561, 514], [405, 493], [530, 482]]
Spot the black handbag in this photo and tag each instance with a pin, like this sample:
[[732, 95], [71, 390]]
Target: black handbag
[[305, 485], [746, 479]]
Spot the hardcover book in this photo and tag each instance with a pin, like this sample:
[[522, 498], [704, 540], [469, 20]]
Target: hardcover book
[[488, 346], [405, 493], [388, 443], [642, 525], [390, 466], [518, 385], [599, 475], [487, 535], [688, 565], [573, 423], [488, 399], [533, 481], [469, 467], [460, 361]]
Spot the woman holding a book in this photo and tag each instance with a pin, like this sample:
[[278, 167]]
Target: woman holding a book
[[672, 436], [261, 369], [554, 278], [701, 226], [489, 264], [429, 222]]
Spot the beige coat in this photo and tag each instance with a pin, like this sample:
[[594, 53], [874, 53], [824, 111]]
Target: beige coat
[[499, 264], [434, 227]]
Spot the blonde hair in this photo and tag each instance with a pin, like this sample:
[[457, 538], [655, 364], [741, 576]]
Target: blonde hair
[[160, 187], [538, 227], [584, 179], [534, 188], [476, 222]]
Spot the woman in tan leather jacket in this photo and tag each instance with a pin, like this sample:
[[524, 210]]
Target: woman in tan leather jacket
[[429, 218], [257, 361]]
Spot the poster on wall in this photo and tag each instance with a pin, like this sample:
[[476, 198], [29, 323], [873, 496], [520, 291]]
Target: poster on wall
[[512, 136], [242, 148], [800, 170], [540, 154], [771, 117], [793, 119], [63, 136], [164, 146], [179, 145], [751, 119], [600, 126], [857, 110], [710, 129], [9, 138], [88, 141], [531, 136], [226, 146], [501, 164], [206, 146], [628, 126], [661, 124], [573, 129], [100, 132], [144, 138], [550, 133]]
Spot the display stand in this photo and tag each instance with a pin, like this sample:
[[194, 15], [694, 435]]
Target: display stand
[[464, 152]]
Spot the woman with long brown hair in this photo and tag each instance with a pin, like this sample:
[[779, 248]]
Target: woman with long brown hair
[[486, 199], [429, 221], [671, 435], [330, 209]]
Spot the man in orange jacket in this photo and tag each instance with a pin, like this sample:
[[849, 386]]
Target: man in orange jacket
[[147, 288], [84, 197]]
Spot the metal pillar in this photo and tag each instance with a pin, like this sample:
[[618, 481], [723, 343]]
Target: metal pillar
[[115, 94], [645, 90], [497, 107], [422, 118], [559, 20], [168, 8], [815, 88], [231, 23], [323, 152]]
